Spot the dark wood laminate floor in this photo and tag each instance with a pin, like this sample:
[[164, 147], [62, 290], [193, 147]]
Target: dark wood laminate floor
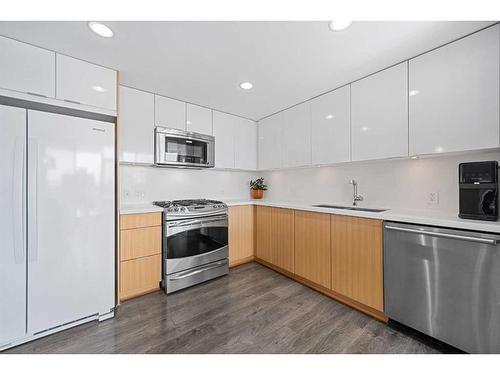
[[253, 310]]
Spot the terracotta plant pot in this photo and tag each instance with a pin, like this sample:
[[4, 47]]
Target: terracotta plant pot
[[256, 194]]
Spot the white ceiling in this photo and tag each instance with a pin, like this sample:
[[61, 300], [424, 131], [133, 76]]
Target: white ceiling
[[204, 62]]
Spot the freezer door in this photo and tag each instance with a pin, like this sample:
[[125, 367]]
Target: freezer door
[[445, 283], [12, 236], [71, 221]]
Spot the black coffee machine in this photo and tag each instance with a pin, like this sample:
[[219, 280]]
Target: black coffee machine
[[478, 190]]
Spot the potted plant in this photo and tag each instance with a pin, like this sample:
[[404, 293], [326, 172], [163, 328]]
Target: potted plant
[[257, 188]]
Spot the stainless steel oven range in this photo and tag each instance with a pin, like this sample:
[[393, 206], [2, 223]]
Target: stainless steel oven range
[[195, 242]]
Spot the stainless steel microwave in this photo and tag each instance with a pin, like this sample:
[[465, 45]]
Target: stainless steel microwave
[[178, 148]]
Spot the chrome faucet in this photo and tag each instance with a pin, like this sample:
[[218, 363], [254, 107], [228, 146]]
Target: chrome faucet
[[355, 197]]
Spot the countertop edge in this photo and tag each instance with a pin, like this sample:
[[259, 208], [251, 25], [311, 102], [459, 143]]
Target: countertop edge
[[405, 216]]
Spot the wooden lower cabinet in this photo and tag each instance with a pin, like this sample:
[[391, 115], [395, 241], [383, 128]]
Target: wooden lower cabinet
[[312, 247], [140, 254], [357, 259], [274, 237], [241, 234], [139, 276]]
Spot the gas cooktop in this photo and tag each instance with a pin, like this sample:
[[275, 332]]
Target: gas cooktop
[[188, 208]]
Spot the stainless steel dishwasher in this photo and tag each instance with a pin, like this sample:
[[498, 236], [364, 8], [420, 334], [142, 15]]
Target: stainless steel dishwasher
[[445, 283]]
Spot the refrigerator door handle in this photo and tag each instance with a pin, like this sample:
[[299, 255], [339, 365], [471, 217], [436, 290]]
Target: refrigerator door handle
[[18, 200], [32, 199]]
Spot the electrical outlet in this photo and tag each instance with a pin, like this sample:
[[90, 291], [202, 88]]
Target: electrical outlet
[[433, 197]]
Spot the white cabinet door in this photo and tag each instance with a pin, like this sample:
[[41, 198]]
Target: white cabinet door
[[245, 144], [12, 227], [296, 148], [81, 82], [27, 69], [224, 131], [331, 127], [270, 141], [71, 213], [136, 126], [379, 105], [170, 113], [198, 119], [454, 96]]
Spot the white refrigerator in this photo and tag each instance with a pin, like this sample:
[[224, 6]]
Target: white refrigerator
[[57, 222]]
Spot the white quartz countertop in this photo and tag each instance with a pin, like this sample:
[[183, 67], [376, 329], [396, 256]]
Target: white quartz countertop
[[422, 217]]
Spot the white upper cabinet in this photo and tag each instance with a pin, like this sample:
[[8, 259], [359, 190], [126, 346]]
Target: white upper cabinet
[[331, 127], [296, 148], [270, 141], [136, 126], [198, 119], [170, 113], [454, 96], [26, 68], [224, 131], [245, 143], [80, 82], [379, 110]]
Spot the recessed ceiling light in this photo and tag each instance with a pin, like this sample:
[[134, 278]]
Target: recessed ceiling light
[[100, 29], [364, 128], [246, 85], [329, 117], [413, 92], [339, 25]]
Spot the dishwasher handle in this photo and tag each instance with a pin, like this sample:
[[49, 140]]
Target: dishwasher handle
[[489, 241]]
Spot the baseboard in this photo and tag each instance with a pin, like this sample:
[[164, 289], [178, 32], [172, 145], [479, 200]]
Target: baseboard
[[241, 261], [379, 315]]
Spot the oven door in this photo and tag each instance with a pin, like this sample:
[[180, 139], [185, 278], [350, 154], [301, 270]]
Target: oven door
[[179, 148], [194, 242]]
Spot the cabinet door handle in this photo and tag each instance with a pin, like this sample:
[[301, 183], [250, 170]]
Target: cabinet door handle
[[35, 94], [71, 101], [18, 200], [33, 199]]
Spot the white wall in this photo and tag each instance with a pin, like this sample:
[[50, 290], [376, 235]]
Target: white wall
[[385, 184], [147, 184]]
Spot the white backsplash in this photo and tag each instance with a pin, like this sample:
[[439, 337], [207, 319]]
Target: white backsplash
[[386, 184], [146, 184]]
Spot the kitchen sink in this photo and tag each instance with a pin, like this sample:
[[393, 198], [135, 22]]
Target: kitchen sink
[[350, 208]]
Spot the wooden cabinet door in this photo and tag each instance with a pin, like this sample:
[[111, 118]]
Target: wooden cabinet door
[[357, 259], [241, 234], [282, 238], [263, 233], [312, 247]]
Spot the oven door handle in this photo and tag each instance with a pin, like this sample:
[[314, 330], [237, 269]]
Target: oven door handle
[[173, 229], [183, 275]]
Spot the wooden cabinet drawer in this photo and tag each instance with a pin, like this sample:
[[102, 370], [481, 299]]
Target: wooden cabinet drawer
[[139, 276], [140, 220], [140, 242]]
